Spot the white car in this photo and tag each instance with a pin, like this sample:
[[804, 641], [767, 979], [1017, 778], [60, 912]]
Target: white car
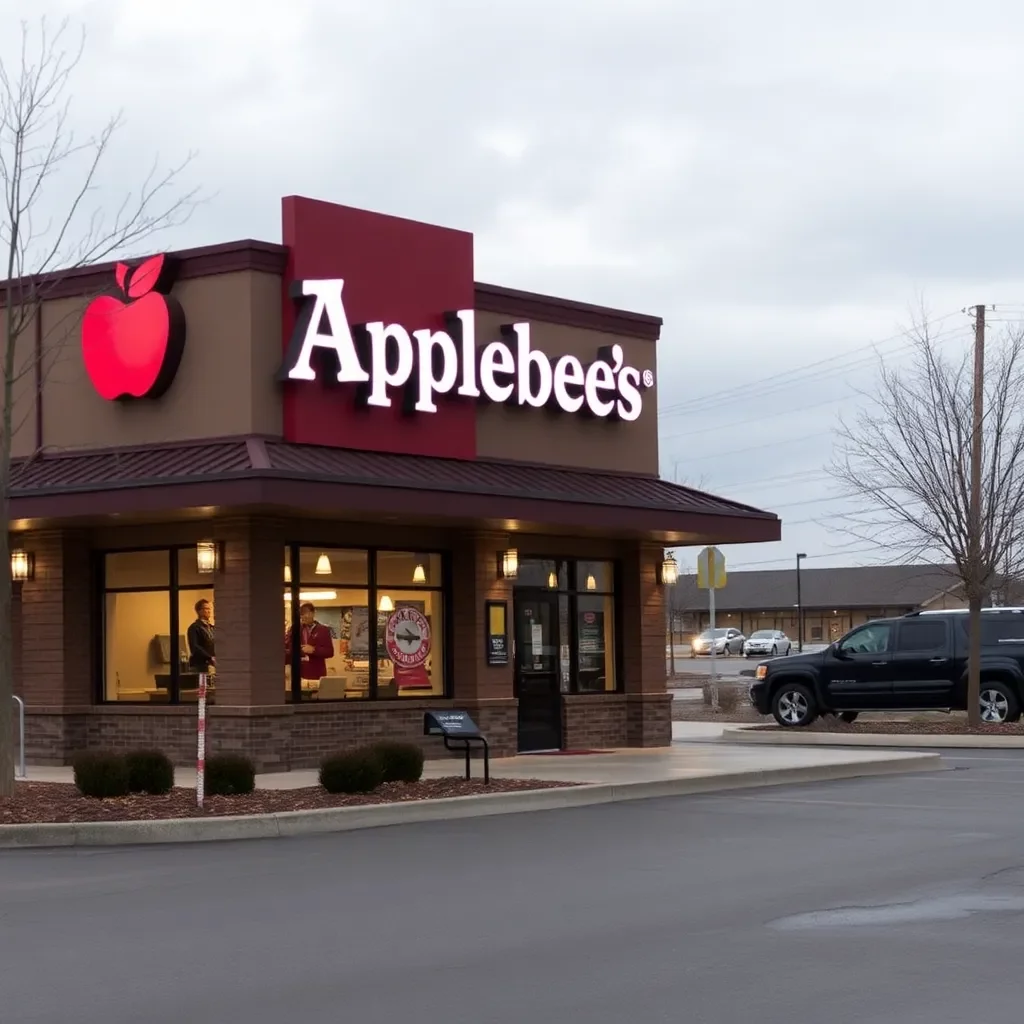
[[767, 642], [726, 641]]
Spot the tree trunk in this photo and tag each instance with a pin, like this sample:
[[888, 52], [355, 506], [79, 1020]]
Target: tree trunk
[[974, 657]]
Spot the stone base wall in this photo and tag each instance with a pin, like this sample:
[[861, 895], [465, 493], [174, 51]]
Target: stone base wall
[[276, 738], [602, 721]]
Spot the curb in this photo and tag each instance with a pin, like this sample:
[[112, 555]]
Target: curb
[[346, 819], [912, 741]]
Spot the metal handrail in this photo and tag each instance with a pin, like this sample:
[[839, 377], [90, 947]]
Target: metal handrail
[[21, 737]]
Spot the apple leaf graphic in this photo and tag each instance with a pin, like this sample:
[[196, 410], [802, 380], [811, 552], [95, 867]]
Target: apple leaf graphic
[[145, 277], [121, 273]]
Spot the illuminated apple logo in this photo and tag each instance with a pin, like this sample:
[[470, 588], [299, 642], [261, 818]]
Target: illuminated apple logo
[[132, 342]]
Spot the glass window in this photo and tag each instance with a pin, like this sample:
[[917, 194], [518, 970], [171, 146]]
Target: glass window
[[188, 570], [595, 637], [411, 644], [138, 569], [349, 642], [405, 568], [156, 640], [922, 635], [323, 566], [330, 640], [542, 572], [138, 646], [595, 577]]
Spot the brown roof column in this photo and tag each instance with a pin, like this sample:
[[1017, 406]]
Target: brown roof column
[[56, 628], [248, 591], [477, 685], [648, 711]]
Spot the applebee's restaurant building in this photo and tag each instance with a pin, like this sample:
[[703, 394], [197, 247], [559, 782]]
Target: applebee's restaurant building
[[398, 488]]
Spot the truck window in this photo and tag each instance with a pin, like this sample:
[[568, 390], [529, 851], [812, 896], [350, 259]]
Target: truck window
[[921, 636], [1002, 629], [870, 639]]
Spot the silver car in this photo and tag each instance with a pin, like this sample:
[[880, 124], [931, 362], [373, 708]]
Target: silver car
[[726, 641], [767, 642]]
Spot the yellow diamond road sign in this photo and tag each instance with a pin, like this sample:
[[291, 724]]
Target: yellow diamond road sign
[[711, 569]]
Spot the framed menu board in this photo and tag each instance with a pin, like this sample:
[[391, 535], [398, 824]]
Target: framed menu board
[[496, 625]]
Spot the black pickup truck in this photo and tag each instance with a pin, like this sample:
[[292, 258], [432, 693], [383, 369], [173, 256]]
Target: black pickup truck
[[914, 663]]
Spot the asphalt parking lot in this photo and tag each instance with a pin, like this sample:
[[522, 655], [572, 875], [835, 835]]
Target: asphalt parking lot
[[893, 900]]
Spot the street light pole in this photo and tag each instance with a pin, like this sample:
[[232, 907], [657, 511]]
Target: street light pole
[[799, 605]]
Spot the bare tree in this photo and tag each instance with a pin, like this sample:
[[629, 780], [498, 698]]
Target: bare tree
[[907, 457], [52, 221]]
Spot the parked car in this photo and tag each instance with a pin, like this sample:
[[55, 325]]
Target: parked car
[[767, 641], [914, 663], [726, 641]]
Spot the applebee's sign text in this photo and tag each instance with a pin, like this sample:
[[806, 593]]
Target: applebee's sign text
[[427, 364]]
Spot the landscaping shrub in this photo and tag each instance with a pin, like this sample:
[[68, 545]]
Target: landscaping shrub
[[100, 775], [354, 771], [229, 775], [399, 762], [149, 771]]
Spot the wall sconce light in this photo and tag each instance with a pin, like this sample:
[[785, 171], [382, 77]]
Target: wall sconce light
[[591, 583], [323, 566], [552, 581], [386, 604], [419, 574], [508, 564], [207, 556], [287, 572], [669, 574], [23, 565]]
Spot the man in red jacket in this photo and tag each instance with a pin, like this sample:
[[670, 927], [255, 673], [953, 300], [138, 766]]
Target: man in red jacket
[[315, 643]]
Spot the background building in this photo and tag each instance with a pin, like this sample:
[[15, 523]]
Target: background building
[[834, 600]]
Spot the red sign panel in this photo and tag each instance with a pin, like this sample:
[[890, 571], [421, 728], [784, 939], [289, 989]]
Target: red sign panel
[[395, 271]]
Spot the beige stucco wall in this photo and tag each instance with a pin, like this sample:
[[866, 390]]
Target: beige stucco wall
[[534, 435], [224, 386]]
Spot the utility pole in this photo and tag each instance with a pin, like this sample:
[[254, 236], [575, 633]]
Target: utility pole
[[974, 593], [799, 605]]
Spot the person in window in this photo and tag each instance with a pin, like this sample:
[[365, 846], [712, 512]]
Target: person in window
[[315, 643], [201, 639]]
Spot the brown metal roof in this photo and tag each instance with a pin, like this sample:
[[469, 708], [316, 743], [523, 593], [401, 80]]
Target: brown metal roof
[[869, 586], [248, 471]]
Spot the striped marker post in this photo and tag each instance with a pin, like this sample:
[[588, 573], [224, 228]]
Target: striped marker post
[[201, 742]]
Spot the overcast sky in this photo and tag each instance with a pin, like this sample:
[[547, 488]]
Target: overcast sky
[[780, 180]]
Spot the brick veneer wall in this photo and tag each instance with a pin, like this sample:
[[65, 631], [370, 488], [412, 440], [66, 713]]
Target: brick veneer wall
[[276, 738], [594, 721]]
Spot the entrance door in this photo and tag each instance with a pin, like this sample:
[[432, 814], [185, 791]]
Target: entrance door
[[537, 665]]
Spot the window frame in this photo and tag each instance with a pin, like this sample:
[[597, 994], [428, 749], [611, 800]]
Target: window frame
[[173, 590], [443, 590], [568, 568]]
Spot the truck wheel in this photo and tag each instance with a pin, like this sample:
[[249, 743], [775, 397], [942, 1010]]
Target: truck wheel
[[793, 705], [998, 704], [847, 716]]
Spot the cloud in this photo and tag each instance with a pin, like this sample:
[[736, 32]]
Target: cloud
[[778, 181]]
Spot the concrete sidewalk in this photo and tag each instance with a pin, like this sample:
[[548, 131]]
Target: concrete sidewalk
[[687, 758], [684, 768]]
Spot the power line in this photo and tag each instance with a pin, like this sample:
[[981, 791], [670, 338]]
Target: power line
[[755, 419], [819, 370], [826, 554], [753, 448]]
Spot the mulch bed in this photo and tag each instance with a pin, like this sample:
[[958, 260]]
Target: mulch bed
[[35, 802], [697, 711]]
